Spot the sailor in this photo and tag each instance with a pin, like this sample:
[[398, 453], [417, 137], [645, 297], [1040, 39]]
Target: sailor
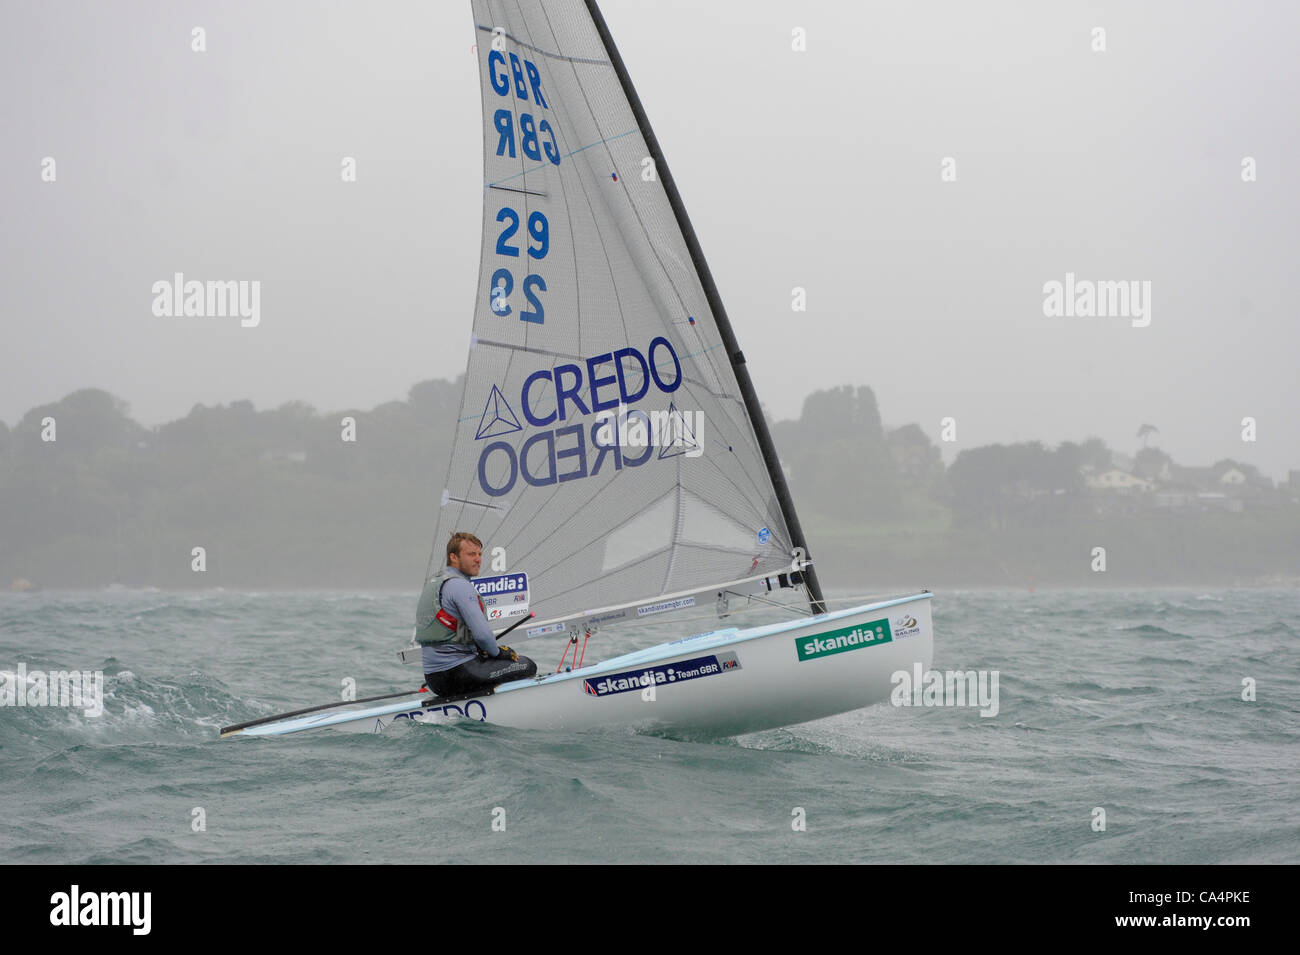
[[460, 653]]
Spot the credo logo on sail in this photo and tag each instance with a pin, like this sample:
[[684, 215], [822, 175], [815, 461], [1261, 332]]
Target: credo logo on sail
[[605, 431]]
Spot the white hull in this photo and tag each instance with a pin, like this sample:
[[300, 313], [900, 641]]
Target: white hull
[[717, 684]]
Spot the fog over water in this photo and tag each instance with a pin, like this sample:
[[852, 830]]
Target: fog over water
[[821, 169]]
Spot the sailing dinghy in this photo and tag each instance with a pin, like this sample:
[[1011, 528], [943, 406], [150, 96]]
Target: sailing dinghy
[[610, 450]]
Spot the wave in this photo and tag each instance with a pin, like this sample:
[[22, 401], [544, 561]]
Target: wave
[[1151, 630]]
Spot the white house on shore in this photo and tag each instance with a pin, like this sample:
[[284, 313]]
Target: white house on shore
[[1117, 480]]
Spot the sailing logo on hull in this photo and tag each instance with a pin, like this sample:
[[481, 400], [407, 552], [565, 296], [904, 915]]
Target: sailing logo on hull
[[680, 672], [905, 626]]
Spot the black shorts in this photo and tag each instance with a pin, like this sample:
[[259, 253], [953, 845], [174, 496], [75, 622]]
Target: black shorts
[[477, 674]]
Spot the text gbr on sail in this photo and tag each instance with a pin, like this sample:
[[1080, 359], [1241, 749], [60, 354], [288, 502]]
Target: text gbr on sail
[[530, 133]]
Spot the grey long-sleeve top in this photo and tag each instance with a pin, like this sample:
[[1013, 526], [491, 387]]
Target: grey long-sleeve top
[[460, 599]]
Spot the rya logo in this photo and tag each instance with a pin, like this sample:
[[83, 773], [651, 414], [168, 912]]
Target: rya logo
[[905, 626]]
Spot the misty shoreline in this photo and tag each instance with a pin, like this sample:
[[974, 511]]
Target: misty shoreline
[[286, 500]]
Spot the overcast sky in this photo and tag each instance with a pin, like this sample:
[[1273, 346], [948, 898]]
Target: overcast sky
[[818, 169]]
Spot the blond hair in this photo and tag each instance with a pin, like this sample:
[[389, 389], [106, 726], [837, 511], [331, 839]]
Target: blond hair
[[458, 538]]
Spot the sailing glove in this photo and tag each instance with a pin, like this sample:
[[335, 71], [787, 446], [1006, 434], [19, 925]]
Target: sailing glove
[[507, 652]]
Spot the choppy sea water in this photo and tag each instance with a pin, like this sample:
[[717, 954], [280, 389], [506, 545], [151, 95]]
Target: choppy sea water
[[1129, 702]]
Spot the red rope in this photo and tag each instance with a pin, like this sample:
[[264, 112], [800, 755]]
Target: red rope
[[584, 647], [572, 643]]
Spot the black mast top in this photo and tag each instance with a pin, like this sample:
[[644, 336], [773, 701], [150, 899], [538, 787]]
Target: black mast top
[[734, 353]]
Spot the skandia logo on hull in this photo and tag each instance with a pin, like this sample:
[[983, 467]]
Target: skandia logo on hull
[[659, 675], [841, 641]]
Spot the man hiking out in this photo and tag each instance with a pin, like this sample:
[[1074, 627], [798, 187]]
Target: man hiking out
[[460, 653]]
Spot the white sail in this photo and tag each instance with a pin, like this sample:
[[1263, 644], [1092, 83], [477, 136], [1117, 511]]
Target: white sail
[[597, 322], [604, 443]]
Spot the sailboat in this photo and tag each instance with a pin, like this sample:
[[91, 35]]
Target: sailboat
[[610, 450]]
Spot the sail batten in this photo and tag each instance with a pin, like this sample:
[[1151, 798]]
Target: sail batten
[[605, 441], [549, 54]]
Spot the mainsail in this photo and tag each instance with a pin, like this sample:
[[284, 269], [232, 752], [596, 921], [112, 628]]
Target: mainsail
[[608, 440]]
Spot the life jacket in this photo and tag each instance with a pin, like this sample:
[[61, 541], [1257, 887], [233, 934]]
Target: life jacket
[[441, 627]]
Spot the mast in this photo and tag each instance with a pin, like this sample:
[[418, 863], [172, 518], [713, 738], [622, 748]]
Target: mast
[[734, 354]]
